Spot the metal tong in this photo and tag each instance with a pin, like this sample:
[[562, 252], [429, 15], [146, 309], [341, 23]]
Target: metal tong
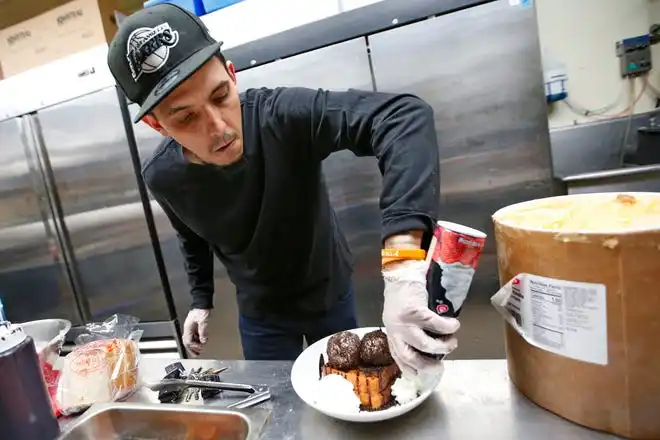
[[258, 393]]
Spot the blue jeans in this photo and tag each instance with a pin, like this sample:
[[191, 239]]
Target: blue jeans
[[274, 339]]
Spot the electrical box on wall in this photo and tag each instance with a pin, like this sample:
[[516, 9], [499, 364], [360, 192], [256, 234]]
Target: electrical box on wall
[[635, 56]]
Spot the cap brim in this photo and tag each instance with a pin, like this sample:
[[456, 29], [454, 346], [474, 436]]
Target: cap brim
[[176, 76]]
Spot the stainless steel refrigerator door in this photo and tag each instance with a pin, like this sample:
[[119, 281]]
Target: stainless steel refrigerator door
[[480, 69], [83, 143], [33, 280]]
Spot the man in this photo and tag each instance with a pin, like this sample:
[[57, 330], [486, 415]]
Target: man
[[239, 177]]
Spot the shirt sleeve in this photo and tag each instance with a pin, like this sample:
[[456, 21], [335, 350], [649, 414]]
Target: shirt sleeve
[[398, 129], [198, 261]]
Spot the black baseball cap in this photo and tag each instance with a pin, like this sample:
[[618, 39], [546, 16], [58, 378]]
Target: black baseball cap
[[155, 50]]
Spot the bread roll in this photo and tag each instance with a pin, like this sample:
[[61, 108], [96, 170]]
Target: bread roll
[[97, 372]]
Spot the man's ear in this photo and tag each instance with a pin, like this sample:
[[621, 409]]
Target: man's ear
[[152, 122], [231, 70]]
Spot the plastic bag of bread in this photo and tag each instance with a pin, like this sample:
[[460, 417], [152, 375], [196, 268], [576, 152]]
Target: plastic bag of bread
[[103, 367]]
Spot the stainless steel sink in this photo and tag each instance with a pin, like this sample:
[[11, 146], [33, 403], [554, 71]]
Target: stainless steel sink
[[146, 421]]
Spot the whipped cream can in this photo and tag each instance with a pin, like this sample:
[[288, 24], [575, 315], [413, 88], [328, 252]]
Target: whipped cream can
[[452, 261]]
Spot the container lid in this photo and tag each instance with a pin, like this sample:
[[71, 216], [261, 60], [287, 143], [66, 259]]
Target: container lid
[[11, 335], [602, 213], [461, 229]]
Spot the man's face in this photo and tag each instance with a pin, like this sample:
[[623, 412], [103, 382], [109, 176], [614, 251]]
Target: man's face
[[203, 114]]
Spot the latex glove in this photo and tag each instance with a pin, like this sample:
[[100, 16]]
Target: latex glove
[[406, 315], [195, 330]]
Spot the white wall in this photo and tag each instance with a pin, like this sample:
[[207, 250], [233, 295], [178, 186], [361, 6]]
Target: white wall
[[581, 34], [654, 17]]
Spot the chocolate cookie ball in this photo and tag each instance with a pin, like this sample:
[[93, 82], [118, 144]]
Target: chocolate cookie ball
[[374, 349], [344, 350]]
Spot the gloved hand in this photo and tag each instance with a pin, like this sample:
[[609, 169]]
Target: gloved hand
[[406, 315], [195, 330]]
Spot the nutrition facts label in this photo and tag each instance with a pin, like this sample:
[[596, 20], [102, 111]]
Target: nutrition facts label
[[547, 313], [565, 317]]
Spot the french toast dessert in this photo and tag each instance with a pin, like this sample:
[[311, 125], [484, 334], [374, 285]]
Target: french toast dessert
[[366, 363]]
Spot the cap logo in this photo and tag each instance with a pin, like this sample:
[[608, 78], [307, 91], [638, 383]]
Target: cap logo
[[148, 49]]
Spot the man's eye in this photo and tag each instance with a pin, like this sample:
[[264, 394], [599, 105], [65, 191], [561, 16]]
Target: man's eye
[[220, 99], [187, 118]]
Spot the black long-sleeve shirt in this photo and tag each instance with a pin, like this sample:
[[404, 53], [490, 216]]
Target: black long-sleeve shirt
[[268, 217]]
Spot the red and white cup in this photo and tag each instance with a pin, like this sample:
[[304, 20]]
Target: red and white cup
[[452, 260]]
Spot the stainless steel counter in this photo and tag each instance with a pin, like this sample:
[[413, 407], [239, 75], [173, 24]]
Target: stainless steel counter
[[475, 400]]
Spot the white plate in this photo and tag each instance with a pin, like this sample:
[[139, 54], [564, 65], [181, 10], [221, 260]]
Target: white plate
[[305, 380]]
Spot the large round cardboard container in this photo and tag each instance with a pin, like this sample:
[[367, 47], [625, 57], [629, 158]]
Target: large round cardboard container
[[613, 240]]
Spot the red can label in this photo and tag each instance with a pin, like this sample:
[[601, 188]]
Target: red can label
[[454, 247]]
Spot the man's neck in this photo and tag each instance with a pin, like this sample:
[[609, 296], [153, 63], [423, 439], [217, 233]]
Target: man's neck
[[191, 157]]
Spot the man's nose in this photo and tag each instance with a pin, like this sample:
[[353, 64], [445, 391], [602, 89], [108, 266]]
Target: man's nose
[[215, 120]]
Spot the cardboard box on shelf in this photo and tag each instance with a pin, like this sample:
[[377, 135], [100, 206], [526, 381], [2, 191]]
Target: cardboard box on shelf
[[17, 11], [67, 29]]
